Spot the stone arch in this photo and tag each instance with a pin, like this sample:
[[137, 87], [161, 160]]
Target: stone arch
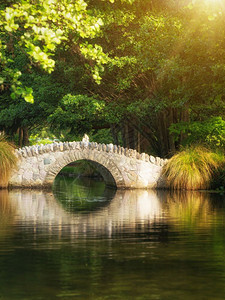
[[105, 164]]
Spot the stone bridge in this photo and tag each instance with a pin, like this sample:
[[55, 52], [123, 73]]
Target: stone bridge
[[123, 168]]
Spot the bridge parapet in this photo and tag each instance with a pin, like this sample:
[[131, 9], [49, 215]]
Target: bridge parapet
[[63, 146]]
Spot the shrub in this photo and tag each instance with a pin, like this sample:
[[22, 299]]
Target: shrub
[[8, 161], [192, 168], [210, 132]]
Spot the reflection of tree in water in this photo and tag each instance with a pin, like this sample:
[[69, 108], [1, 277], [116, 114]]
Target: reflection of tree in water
[[82, 194], [189, 208], [121, 244], [139, 212], [7, 213], [192, 209]]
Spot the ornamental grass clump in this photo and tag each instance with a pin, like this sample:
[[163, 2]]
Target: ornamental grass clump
[[8, 161], [192, 169]]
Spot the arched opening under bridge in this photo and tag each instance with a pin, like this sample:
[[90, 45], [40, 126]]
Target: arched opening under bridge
[[105, 167]]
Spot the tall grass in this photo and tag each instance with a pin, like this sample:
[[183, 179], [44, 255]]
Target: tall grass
[[8, 161], [192, 168]]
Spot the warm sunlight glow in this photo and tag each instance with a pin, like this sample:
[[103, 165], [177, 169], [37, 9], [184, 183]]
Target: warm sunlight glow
[[214, 2]]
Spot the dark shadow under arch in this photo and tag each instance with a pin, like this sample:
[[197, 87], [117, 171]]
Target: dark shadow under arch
[[100, 169]]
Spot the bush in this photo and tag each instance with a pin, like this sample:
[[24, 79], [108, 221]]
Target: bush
[[192, 168], [8, 161], [210, 132]]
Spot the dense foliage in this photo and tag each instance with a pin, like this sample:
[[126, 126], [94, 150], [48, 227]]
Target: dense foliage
[[150, 72]]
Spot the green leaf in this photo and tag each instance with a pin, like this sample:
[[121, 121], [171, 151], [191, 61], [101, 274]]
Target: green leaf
[[13, 96], [29, 98]]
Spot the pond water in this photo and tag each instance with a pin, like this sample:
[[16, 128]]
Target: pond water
[[84, 241]]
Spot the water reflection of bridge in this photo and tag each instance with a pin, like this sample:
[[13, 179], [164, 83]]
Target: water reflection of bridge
[[127, 208], [41, 212]]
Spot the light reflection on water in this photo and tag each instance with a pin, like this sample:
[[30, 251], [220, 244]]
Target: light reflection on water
[[123, 212], [84, 241]]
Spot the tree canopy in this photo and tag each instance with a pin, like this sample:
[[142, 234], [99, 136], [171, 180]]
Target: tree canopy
[[36, 28], [146, 69]]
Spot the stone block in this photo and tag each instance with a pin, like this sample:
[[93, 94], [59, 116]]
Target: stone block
[[157, 161], [115, 149], [74, 144], [50, 148], [133, 163], [40, 149], [47, 161], [24, 153], [142, 156], [132, 153], [36, 176], [18, 152], [146, 157], [133, 177], [152, 159], [29, 154], [55, 146], [85, 144], [109, 148], [66, 146], [42, 174], [27, 176], [35, 150], [44, 149], [161, 162], [78, 146], [126, 152], [61, 146], [138, 156]]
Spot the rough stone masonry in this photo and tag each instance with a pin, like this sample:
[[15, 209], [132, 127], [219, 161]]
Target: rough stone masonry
[[124, 168]]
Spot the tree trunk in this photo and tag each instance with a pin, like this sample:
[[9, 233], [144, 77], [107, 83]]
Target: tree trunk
[[171, 120], [184, 118], [114, 132], [25, 136], [137, 140], [125, 136], [20, 141]]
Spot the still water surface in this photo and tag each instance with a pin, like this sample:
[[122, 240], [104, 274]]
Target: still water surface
[[83, 241]]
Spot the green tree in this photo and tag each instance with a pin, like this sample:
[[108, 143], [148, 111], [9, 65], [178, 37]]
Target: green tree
[[36, 29], [210, 132], [77, 115], [162, 64], [176, 74]]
